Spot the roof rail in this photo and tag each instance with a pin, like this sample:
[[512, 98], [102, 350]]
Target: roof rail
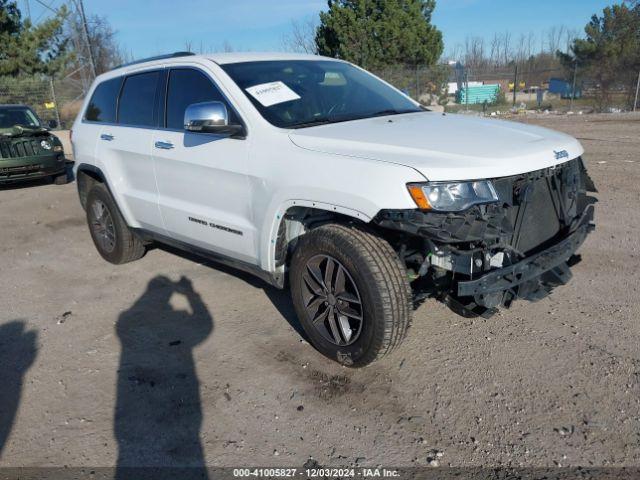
[[158, 57]]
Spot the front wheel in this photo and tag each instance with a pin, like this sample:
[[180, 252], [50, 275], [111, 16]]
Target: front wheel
[[351, 293]]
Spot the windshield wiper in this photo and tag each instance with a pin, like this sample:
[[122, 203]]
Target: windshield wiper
[[391, 111], [347, 118], [312, 123]]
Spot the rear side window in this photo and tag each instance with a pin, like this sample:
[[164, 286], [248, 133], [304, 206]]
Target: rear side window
[[102, 106], [187, 86], [137, 100]]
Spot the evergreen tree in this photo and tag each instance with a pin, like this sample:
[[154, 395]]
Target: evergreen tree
[[27, 49], [610, 52], [379, 33]]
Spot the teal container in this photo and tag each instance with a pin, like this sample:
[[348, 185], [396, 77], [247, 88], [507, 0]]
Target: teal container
[[478, 94]]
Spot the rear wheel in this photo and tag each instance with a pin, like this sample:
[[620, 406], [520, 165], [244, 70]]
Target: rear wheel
[[113, 239], [351, 294]]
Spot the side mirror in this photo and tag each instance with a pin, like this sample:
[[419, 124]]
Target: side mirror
[[209, 117], [52, 124]]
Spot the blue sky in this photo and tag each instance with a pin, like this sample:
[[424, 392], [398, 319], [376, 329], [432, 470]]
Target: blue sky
[[150, 27]]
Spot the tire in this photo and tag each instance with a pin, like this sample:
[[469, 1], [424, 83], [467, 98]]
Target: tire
[[119, 246], [61, 179], [379, 281]]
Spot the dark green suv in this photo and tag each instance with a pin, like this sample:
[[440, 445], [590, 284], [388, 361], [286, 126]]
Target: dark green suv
[[27, 149]]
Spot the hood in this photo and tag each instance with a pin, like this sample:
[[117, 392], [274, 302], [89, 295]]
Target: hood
[[444, 147], [21, 131]]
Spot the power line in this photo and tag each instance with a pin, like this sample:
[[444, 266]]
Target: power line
[[44, 12], [48, 7]]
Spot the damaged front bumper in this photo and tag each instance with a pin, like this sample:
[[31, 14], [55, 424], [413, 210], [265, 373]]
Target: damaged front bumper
[[531, 278], [489, 255]]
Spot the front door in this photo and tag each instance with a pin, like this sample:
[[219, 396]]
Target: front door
[[203, 188]]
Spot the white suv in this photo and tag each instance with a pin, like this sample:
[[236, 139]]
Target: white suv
[[310, 171]]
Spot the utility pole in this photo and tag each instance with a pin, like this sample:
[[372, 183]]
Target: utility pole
[[28, 9], [515, 85], [635, 102], [466, 88], [55, 101], [573, 88], [85, 29]]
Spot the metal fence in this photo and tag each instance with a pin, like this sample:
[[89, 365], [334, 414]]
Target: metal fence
[[515, 87], [51, 99]]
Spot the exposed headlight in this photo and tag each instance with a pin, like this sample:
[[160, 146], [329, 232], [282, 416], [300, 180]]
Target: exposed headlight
[[45, 144], [452, 197]]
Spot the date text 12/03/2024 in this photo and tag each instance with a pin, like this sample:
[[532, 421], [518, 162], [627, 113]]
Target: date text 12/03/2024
[[315, 472]]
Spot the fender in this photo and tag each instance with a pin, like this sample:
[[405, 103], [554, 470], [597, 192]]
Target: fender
[[98, 172], [270, 233], [93, 172]]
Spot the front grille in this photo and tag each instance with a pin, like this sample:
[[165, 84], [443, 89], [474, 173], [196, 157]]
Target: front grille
[[540, 221], [544, 202], [18, 149]]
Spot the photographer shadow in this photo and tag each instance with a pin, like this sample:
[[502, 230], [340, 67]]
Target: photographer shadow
[[158, 412], [17, 352]]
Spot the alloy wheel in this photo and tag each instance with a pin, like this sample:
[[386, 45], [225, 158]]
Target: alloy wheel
[[332, 300], [102, 225]]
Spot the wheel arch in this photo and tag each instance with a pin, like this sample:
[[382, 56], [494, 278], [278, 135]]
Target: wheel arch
[[295, 218], [86, 176]]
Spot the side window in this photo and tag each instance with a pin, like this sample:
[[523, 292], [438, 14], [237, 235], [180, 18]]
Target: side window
[[102, 106], [187, 86], [138, 99]]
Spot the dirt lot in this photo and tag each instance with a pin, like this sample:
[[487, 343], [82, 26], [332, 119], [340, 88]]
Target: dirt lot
[[170, 361]]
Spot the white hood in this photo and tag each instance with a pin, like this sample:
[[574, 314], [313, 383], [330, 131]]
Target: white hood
[[444, 147]]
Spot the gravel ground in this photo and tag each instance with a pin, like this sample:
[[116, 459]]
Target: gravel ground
[[169, 360]]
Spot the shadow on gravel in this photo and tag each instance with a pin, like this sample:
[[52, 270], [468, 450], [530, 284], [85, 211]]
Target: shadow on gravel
[[17, 352], [281, 299], [158, 410], [19, 185]]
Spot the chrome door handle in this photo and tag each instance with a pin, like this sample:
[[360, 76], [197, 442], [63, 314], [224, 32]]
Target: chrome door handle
[[106, 136], [164, 145]]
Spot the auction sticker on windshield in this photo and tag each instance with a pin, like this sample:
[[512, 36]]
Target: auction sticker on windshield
[[272, 93]]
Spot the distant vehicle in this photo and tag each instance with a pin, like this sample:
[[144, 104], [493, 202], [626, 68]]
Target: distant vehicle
[[27, 149], [314, 171]]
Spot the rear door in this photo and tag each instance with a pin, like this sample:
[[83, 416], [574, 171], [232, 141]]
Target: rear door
[[203, 187], [125, 149], [100, 110]]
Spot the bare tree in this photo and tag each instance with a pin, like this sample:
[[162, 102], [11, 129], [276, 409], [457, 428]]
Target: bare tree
[[225, 47], [570, 35], [106, 52], [494, 50], [455, 53], [474, 52], [521, 49], [554, 38], [506, 47], [301, 37]]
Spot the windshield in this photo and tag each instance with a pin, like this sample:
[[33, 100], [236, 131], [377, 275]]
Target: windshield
[[303, 93], [12, 116]]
